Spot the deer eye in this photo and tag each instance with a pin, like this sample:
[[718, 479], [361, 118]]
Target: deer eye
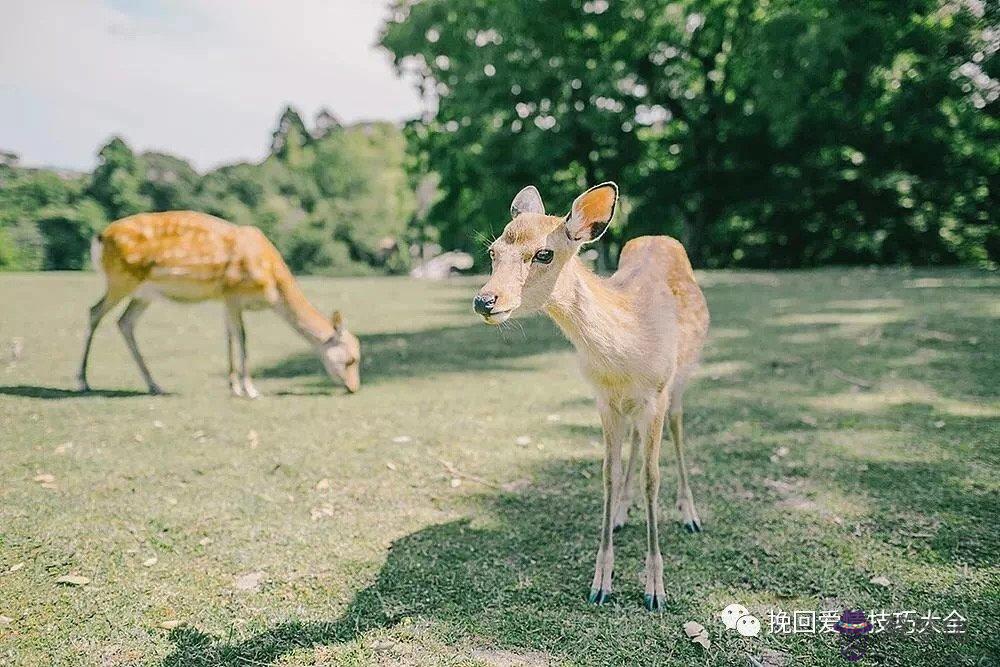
[[492, 254], [543, 256]]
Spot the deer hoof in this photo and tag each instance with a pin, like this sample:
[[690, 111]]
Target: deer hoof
[[599, 596], [82, 386], [692, 526], [156, 390], [652, 602]]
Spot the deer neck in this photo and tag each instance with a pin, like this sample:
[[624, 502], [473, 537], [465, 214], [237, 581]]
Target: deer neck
[[295, 308], [597, 318]]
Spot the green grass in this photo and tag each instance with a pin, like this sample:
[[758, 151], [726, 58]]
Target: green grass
[[845, 427]]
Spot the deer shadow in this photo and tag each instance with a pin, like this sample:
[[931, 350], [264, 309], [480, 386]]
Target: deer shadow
[[534, 561], [517, 580], [58, 393]]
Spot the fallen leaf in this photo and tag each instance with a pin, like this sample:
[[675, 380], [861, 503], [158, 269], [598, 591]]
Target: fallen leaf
[[150, 562], [881, 581], [402, 439], [693, 629], [157, 423], [523, 440], [205, 541], [390, 465], [809, 420], [139, 437], [73, 580], [772, 658], [553, 418], [15, 567], [170, 625], [5, 620], [45, 478], [697, 633], [253, 439], [323, 484], [455, 482], [382, 645], [250, 581], [63, 448], [939, 424]]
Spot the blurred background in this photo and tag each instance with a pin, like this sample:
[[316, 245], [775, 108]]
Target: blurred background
[[365, 137]]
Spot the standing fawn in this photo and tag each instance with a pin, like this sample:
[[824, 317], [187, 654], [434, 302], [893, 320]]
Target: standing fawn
[[189, 257], [638, 336]]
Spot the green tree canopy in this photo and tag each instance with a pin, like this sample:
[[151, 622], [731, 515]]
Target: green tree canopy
[[779, 133], [117, 181]]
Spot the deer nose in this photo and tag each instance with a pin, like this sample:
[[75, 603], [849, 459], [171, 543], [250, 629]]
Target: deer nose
[[484, 302]]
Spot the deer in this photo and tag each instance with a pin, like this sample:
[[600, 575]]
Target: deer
[[638, 335], [188, 257]]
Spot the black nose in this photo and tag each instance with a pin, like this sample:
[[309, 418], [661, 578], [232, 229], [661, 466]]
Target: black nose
[[483, 303]]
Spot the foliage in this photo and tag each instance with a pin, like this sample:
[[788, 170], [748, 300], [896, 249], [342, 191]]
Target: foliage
[[781, 133], [335, 200], [31, 202]]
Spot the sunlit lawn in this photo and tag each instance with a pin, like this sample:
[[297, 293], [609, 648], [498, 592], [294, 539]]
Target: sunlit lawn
[[845, 428]]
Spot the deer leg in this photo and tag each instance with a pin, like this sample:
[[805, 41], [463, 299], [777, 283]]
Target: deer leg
[[628, 488], [614, 432], [235, 315], [234, 381], [651, 433], [97, 313], [126, 324], [685, 501]]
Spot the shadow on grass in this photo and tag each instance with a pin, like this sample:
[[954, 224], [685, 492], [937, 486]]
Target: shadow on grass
[[56, 393], [518, 581], [533, 563], [439, 350], [928, 509]]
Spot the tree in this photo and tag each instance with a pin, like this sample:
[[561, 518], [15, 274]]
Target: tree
[[290, 137], [168, 182], [325, 123], [116, 182], [790, 133]]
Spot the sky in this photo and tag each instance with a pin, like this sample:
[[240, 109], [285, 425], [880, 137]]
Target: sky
[[202, 79]]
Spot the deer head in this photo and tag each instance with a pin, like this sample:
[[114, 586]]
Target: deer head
[[341, 354], [535, 248]]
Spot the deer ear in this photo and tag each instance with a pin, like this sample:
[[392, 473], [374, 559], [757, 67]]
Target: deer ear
[[527, 201], [592, 212], [337, 320]]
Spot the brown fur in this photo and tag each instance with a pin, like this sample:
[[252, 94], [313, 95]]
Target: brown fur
[[189, 257], [638, 335]]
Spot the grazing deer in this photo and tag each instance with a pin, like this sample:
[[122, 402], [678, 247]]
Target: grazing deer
[[638, 335], [187, 256]]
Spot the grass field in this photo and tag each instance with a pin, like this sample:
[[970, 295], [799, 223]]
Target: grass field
[[846, 427]]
